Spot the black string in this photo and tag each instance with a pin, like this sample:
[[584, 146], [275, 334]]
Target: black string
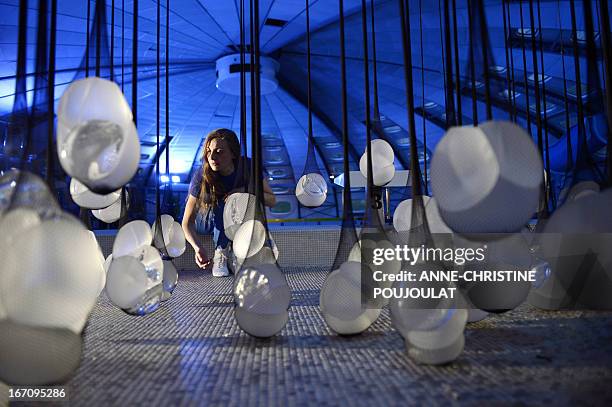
[[372, 214], [506, 48], [570, 157], [423, 99], [604, 29], [374, 70], [553, 198], [122, 43], [157, 115], [472, 65], [443, 57], [135, 63], [112, 47], [513, 81], [51, 97], [485, 57], [167, 77], [418, 210], [525, 69], [256, 98], [100, 10], [451, 119], [310, 166], [348, 234], [87, 40], [458, 117]]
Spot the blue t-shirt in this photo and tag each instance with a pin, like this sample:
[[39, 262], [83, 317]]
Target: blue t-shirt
[[229, 183]]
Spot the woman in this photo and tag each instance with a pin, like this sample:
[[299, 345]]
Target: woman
[[210, 186]]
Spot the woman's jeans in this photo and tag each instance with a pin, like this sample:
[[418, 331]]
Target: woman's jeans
[[212, 221]]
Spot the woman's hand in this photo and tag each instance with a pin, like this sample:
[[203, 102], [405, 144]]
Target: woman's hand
[[201, 258]]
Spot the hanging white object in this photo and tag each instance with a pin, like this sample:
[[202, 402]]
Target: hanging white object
[[170, 279], [113, 212], [131, 237], [97, 141], [82, 196], [382, 149], [383, 170], [341, 301], [134, 282], [58, 286], [249, 239], [487, 178], [239, 208], [402, 217], [173, 235], [262, 298], [311, 190]]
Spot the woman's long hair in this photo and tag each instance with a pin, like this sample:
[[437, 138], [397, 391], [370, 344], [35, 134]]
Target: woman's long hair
[[212, 190]]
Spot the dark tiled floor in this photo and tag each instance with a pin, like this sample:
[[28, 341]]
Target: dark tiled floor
[[191, 352]]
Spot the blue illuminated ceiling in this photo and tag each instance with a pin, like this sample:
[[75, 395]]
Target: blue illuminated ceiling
[[203, 30]]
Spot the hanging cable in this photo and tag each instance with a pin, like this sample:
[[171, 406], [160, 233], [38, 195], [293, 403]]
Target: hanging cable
[[604, 29], [167, 77], [135, 63], [87, 40], [553, 199], [100, 9], [536, 79], [512, 78], [485, 58], [507, 49], [522, 32], [122, 43], [442, 58], [451, 118], [373, 193], [472, 67], [458, 117], [51, 98], [112, 46], [374, 69], [157, 112], [570, 157], [423, 99]]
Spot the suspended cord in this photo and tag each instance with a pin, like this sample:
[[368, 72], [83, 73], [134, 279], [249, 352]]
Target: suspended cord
[[604, 29], [513, 79], [485, 40], [157, 104], [506, 47], [112, 47], [51, 97], [553, 198], [374, 70], [451, 119], [525, 69], [426, 154], [442, 58], [472, 67], [167, 63], [458, 117], [135, 64], [87, 40]]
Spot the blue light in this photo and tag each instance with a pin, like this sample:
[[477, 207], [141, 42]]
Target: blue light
[[176, 179], [164, 178]]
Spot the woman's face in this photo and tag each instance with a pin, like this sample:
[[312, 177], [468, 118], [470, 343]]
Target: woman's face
[[220, 157]]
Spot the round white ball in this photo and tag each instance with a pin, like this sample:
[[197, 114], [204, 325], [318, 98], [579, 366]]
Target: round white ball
[[58, 284], [239, 208], [383, 170], [249, 239], [131, 237], [311, 190], [83, 197], [486, 179]]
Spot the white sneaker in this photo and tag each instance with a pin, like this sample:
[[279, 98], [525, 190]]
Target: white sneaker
[[220, 263]]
